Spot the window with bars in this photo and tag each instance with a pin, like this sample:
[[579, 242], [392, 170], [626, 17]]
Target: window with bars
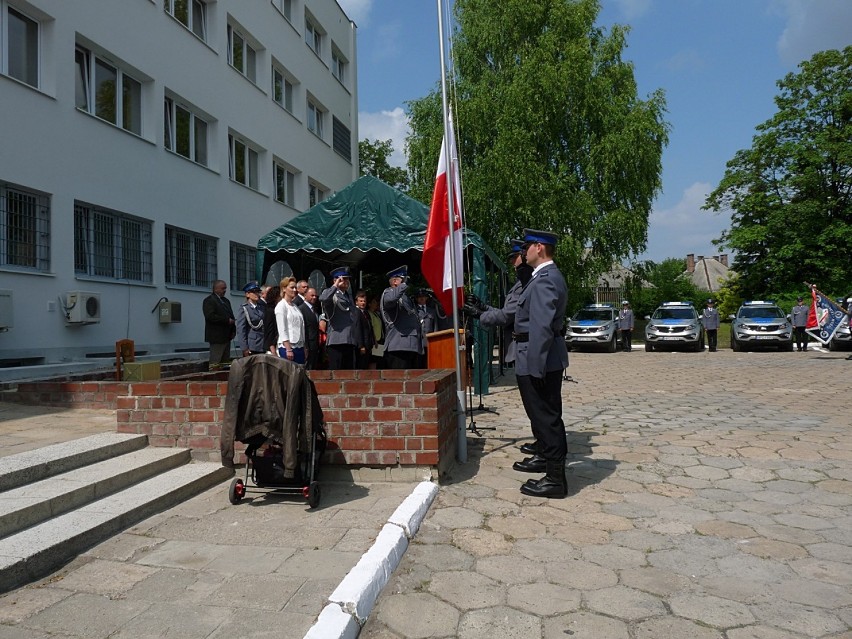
[[241, 55], [341, 139], [242, 265], [111, 244], [285, 185], [242, 162], [185, 132], [282, 89], [190, 13], [20, 35], [106, 91], [24, 229], [190, 258]]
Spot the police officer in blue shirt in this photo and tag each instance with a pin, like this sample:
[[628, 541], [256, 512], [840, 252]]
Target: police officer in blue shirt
[[403, 333], [341, 316], [799, 318], [540, 362]]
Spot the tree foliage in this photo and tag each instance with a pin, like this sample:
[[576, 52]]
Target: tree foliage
[[550, 129], [669, 284], [791, 193], [373, 159]]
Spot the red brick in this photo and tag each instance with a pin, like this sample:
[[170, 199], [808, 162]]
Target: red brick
[[319, 375], [388, 387], [126, 428], [163, 442], [198, 429], [394, 374], [144, 388], [426, 429], [331, 415], [327, 388], [413, 415], [403, 401], [173, 388], [388, 401], [407, 459], [357, 387], [387, 415], [122, 416], [430, 415], [355, 401], [413, 443], [335, 430], [324, 401], [216, 402], [159, 416], [355, 443], [90, 387], [372, 401], [425, 401], [372, 430], [357, 416], [388, 430], [427, 459], [430, 443], [214, 430], [158, 429], [206, 443], [203, 388], [404, 429], [388, 443], [201, 416]]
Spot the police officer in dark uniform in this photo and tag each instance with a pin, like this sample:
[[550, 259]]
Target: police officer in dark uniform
[[342, 316], [250, 321], [799, 318], [403, 338], [540, 362]]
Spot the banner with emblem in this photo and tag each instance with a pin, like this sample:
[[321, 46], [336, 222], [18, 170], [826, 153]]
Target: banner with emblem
[[824, 317]]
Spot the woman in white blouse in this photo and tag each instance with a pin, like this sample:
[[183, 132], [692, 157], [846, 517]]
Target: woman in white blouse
[[291, 325]]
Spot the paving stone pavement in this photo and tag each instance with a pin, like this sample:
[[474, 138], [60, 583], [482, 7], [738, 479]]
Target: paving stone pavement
[[710, 497]]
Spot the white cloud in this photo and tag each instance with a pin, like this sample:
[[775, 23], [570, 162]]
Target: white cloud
[[813, 25], [685, 60], [631, 9], [357, 10], [685, 228], [386, 125]]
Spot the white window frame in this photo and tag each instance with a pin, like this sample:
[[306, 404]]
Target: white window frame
[[285, 8], [190, 258], [280, 78], [284, 179], [338, 65], [313, 35], [246, 65], [316, 193], [196, 16], [239, 147], [112, 245], [315, 118], [24, 224], [30, 62], [87, 64], [198, 130]]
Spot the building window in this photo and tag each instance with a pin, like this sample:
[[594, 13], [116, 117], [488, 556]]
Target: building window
[[341, 139], [109, 244], [185, 132], [106, 91], [241, 55], [282, 89], [242, 162], [285, 7], [315, 117], [190, 258], [313, 36], [22, 46], [242, 265], [24, 228], [285, 185], [338, 66], [316, 194], [190, 13]]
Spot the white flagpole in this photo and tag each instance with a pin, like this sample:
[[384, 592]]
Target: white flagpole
[[461, 404]]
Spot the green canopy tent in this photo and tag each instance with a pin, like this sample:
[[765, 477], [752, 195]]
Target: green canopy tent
[[372, 227]]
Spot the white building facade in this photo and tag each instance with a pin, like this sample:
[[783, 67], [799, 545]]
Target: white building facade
[[146, 146]]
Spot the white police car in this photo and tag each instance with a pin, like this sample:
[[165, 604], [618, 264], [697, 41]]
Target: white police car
[[593, 326], [843, 337], [674, 324], [760, 323]]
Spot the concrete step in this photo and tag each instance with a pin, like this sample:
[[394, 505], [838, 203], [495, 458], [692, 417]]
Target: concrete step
[[37, 551], [35, 465], [30, 504]]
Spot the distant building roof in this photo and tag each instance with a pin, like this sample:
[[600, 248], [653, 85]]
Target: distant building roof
[[708, 273]]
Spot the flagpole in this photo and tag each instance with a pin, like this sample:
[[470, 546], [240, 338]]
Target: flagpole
[[461, 403]]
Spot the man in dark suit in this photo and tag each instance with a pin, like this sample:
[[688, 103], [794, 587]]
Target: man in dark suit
[[311, 327], [428, 322], [541, 359], [220, 327]]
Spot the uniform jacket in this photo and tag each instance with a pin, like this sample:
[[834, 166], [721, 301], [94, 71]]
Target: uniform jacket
[[402, 331], [273, 397], [505, 317], [217, 311], [428, 317], [540, 316], [710, 319], [800, 315], [311, 320], [251, 321], [625, 320], [342, 315]]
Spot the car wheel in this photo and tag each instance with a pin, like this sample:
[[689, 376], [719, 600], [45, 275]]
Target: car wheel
[[735, 346], [788, 347], [648, 347], [611, 345], [833, 345]]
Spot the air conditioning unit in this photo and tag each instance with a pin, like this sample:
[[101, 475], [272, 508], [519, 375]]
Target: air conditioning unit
[[82, 308], [6, 310], [169, 312]]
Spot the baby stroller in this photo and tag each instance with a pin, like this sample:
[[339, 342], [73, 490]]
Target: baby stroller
[[272, 407]]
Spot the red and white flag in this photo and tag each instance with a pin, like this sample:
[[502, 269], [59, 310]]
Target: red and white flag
[[435, 263]]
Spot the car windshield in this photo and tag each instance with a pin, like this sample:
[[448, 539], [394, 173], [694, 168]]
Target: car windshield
[[597, 314], [770, 312], [674, 313]]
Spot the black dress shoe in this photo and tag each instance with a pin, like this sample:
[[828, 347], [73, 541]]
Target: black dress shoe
[[534, 464], [530, 449], [553, 485]]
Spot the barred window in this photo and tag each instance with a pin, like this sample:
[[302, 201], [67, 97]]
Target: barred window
[[242, 265], [341, 139], [190, 258], [110, 244], [24, 228]]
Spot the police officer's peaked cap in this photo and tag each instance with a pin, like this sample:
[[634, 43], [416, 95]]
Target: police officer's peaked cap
[[340, 271], [516, 246], [251, 286], [399, 271], [800, 298], [625, 303], [711, 301], [421, 292], [545, 237]]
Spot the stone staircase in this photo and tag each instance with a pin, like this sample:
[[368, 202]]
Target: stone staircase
[[57, 501]]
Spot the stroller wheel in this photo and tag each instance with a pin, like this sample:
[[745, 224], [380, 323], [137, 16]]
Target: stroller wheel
[[237, 491], [313, 494]]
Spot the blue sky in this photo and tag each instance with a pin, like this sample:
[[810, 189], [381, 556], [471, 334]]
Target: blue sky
[[717, 60]]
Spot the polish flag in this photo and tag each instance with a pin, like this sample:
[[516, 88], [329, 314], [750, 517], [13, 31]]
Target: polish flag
[[435, 263]]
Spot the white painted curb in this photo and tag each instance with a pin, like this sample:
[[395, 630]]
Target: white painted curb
[[354, 598]]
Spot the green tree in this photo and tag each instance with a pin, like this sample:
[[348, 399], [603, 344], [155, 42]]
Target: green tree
[[669, 284], [791, 193], [373, 160], [550, 129]]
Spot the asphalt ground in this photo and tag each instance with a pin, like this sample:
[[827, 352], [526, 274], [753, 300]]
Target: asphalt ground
[[710, 496]]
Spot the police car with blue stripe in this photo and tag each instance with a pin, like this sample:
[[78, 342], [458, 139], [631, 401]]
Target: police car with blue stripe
[[593, 326], [761, 324], [674, 324]]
